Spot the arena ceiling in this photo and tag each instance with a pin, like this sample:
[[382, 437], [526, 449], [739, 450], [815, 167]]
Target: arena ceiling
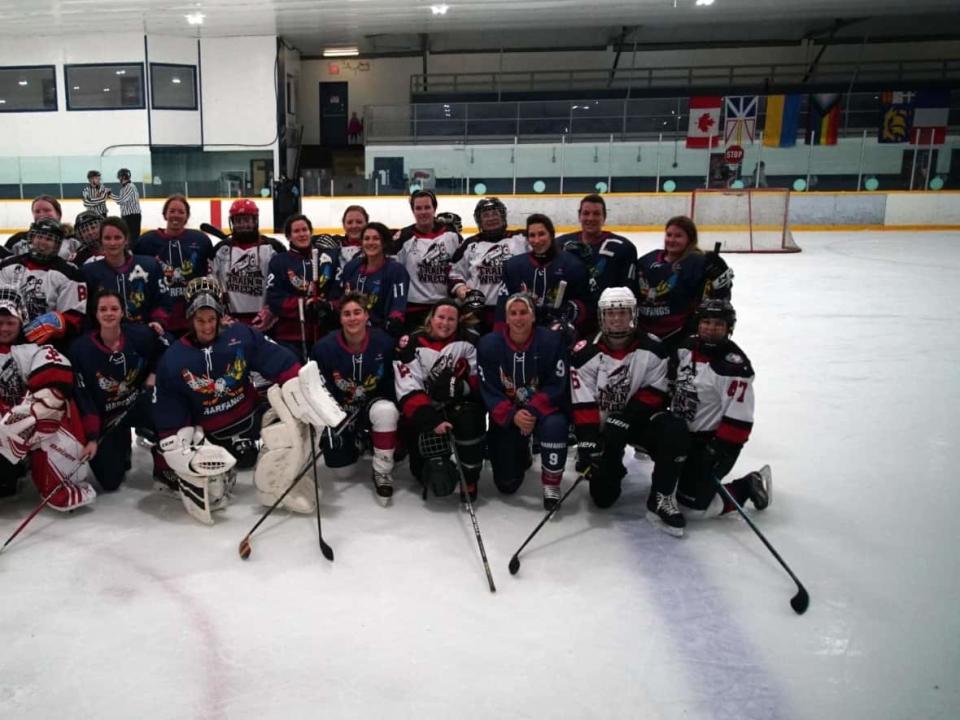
[[406, 26]]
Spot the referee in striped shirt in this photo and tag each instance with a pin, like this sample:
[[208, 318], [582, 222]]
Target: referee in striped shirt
[[129, 202]]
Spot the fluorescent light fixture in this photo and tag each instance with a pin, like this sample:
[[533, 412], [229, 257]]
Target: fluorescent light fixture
[[22, 82], [704, 3], [76, 87], [195, 18], [106, 89], [2, 101], [439, 9], [341, 52], [175, 81], [121, 72]]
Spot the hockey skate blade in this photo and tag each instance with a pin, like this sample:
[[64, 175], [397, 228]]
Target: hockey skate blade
[[767, 474], [655, 520]]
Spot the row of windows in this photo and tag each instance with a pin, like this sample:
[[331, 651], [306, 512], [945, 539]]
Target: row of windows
[[98, 87]]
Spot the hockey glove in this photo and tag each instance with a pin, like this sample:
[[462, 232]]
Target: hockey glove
[[447, 386], [325, 242], [719, 458], [716, 270], [394, 326], [46, 327]]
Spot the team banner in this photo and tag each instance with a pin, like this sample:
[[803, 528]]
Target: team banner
[[896, 116], [782, 121], [704, 128], [930, 114], [740, 122], [823, 118]]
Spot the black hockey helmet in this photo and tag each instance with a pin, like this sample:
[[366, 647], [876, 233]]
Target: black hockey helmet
[[123, 174], [45, 228], [438, 475], [451, 220], [473, 302], [87, 227], [490, 203], [719, 309]]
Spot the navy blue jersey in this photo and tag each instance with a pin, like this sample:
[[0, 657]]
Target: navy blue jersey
[[611, 260], [669, 292], [139, 282], [385, 288], [290, 280], [108, 380], [532, 376], [211, 386], [356, 378], [182, 258], [541, 278]]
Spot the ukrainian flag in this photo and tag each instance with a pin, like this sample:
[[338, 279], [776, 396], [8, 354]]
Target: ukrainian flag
[[783, 119]]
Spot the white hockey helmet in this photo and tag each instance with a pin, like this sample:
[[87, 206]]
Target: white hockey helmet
[[617, 298]]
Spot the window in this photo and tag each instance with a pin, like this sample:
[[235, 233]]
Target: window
[[28, 89], [104, 87], [173, 87]]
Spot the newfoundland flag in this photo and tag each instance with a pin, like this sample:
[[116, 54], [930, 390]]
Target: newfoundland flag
[[823, 118]]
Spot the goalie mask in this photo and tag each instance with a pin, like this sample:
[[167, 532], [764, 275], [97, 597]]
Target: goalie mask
[[45, 238], [617, 312], [87, 228], [715, 309], [204, 292], [245, 220]]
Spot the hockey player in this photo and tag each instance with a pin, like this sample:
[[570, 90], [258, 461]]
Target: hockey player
[[183, 254], [523, 381], [136, 278], [85, 243], [435, 374], [38, 420], [346, 246], [205, 393], [611, 260], [53, 292], [291, 283], [241, 264], [541, 272], [114, 366], [357, 364], [43, 206], [382, 280], [426, 250], [674, 280], [618, 388], [477, 273], [713, 391]]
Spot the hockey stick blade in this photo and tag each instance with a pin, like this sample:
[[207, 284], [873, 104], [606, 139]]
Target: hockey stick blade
[[799, 602], [514, 565], [215, 231]]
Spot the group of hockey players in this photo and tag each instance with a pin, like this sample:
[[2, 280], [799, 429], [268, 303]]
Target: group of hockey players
[[251, 353]]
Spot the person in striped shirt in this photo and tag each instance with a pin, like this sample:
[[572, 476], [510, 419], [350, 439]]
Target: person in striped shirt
[[95, 195], [129, 202]]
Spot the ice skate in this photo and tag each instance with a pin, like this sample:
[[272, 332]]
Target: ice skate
[[663, 513]]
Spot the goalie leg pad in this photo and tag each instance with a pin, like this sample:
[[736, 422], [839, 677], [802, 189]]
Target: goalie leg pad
[[56, 467], [286, 447]]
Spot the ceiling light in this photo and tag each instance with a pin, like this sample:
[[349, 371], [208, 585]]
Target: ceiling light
[[704, 3], [121, 72], [76, 87], [439, 9], [22, 82], [341, 52], [106, 89], [175, 81], [195, 18], [2, 101]]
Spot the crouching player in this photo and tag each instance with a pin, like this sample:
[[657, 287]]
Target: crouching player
[[37, 417], [713, 391], [435, 374], [208, 414], [618, 383], [523, 381]]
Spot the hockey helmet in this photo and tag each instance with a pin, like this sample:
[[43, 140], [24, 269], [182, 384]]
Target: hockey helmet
[[93, 174], [617, 298], [486, 205], [87, 227], [718, 309], [123, 174], [244, 208], [11, 303], [473, 302], [204, 292], [47, 228], [451, 220], [439, 474]]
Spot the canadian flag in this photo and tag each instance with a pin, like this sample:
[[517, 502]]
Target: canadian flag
[[704, 128]]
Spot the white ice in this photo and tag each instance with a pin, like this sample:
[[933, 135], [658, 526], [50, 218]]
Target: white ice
[[129, 609]]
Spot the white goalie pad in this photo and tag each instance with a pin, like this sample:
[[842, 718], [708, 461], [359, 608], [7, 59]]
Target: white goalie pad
[[48, 407], [17, 433], [285, 449], [205, 473], [203, 495], [309, 400]]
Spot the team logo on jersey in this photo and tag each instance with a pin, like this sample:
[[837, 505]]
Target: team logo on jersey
[[734, 358], [444, 367], [518, 395], [489, 270], [685, 399], [356, 393], [220, 393], [12, 386], [433, 267], [31, 294], [120, 393], [244, 276], [176, 278], [615, 392]]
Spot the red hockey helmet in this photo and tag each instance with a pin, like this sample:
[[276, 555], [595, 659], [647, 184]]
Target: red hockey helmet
[[244, 207]]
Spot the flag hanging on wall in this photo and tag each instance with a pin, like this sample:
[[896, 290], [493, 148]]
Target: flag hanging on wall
[[704, 128], [896, 116], [823, 118], [740, 122], [930, 113], [783, 119]]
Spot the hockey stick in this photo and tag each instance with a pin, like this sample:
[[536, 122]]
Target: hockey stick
[[514, 565], [32, 515], [324, 547], [215, 231], [801, 600], [473, 514]]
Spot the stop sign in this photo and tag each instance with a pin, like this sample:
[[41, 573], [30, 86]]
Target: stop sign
[[733, 155]]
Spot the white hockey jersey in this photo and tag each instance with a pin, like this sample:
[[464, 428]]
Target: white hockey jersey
[[243, 269], [427, 258], [31, 367], [713, 389], [54, 286], [479, 263]]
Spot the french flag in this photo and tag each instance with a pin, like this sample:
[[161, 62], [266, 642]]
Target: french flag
[[704, 128], [930, 112]]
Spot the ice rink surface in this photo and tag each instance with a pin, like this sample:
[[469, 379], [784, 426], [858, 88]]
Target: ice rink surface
[[129, 609]]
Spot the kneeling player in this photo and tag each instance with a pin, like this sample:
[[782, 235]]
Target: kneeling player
[[523, 381], [713, 392], [37, 417], [204, 392], [435, 373], [622, 377], [357, 364]]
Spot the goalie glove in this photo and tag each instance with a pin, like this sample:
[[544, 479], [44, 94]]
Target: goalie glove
[[46, 327], [204, 472], [17, 433], [309, 400]]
